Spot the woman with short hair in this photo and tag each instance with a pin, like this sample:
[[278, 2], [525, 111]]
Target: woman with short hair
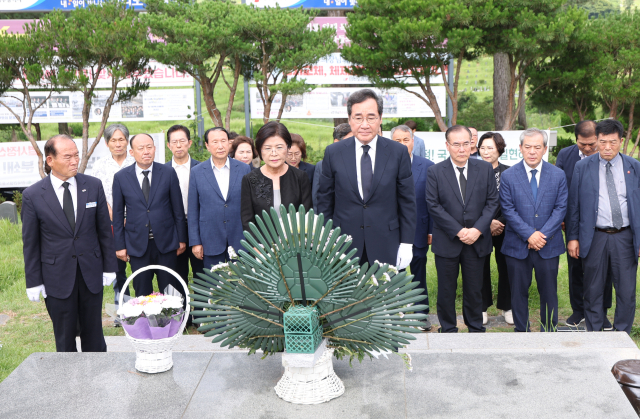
[[243, 149]]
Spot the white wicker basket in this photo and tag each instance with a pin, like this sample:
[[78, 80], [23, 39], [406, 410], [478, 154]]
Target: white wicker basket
[[314, 385], [153, 356]]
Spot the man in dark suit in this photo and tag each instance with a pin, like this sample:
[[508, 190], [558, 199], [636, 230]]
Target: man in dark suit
[[403, 134], [601, 228], [179, 142], [533, 196], [367, 189], [155, 232], [340, 132], [462, 199], [68, 247], [586, 145], [214, 201]]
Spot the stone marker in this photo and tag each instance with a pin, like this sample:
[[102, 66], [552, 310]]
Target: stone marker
[[9, 211]]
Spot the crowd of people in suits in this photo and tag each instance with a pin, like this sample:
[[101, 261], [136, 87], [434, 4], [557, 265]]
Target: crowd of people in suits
[[80, 231]]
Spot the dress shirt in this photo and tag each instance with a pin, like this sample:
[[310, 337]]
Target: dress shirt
[[581, 154], [183, 171], [140, 176], [604, 218], [475, 155], [105, 169], [457, 172], [59, 190], [372, 155], [529, 169], [222, 176]]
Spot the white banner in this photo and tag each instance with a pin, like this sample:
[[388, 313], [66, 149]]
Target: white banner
[[436, 150], [151, 105], [331, 102], [163, 76], [19, 162], [331, 70]]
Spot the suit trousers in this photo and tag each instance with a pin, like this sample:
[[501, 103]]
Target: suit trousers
[[121, 278], [614, 254], [448, 269], [212, 260], [576, 287], [418, 268], [182, 267], [520, 276], [143, 283], [82, 307], [504, 290]]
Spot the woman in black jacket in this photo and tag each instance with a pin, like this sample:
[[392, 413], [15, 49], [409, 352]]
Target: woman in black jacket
[[276, 182], [491, 146], [298, 154]]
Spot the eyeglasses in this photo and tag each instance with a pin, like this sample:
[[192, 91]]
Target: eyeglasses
[[176, 142], [460, 145], [279, 149], [292, 155], [359, 119]]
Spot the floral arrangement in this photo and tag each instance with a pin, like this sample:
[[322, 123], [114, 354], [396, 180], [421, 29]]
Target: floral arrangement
[[154, 316]]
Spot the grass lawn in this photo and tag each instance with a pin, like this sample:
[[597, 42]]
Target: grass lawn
[[29, 328]]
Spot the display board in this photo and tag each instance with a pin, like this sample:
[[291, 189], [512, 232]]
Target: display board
[[331, 102], [150, 105], [436, 150], [19, 162], [307, 4], [49, 5]]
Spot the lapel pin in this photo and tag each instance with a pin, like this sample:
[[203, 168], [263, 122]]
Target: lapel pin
[[84, 190], [628, 171]]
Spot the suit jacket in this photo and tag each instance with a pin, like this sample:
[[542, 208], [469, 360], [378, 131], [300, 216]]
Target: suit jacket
[[257, 193], [418, 147], [388, 216], [524, 216], [419, 168], [567, 159], [52, 251], [164, 211], [309, 169], [450, 214], [315, 185], [215, 221], [584, 197], [499, 216]]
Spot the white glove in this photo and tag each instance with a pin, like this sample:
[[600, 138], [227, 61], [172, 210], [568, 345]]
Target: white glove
[[34, 293], [405, 254], [108, 278]]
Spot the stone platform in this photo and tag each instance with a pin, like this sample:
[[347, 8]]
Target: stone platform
[[501, 375]]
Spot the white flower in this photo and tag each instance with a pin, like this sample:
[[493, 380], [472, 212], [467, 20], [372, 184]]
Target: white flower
[[172, 302], [387, 278], [375, 281], [130, 310], [401, 314], [377, 354], [152, 309], [349, 238], [232, 253]]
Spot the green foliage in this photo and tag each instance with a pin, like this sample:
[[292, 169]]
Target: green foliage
[[422, 124], [17, 199], [283, 44], [404, 42], [562, 143], [474, 113], [361, 309]]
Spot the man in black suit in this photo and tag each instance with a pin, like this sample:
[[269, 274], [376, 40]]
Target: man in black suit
[[155, 230], [68, 247], [585, 146], [462, 198], [179, 142], [366, 187]]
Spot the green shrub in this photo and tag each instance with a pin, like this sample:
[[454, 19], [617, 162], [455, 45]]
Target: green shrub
[[562, 143], [17, 198]]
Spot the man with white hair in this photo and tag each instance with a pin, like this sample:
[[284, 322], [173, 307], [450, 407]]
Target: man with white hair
[[533, 195]]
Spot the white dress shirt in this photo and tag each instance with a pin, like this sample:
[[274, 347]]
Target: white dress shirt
[[372, 155], [183, 171], [105, 169], [529, 169], [59, 190], [140, 175], [222, 176], [581, 154], [465, 172]]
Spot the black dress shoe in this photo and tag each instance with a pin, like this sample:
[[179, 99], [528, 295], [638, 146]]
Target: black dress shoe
[[575, 319], [427, 325], [606, 325]]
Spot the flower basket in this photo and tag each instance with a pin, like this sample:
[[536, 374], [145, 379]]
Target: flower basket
[[154, 355]]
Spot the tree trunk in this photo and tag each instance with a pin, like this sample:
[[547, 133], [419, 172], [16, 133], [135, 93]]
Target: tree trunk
[[210, 103], [63, 128], [522, 107], [232, 92], [501, 82], [14, 136], [630, 128], [635, 145]]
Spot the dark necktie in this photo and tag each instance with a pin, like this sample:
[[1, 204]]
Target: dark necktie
[[616, 212], [366, 172], [67, 206], [146, 186], [463, 183], [534, 184]]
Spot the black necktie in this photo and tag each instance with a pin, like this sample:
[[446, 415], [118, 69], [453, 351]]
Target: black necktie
[[463, 183], [366, 172], [146, 186], [67, 206]]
